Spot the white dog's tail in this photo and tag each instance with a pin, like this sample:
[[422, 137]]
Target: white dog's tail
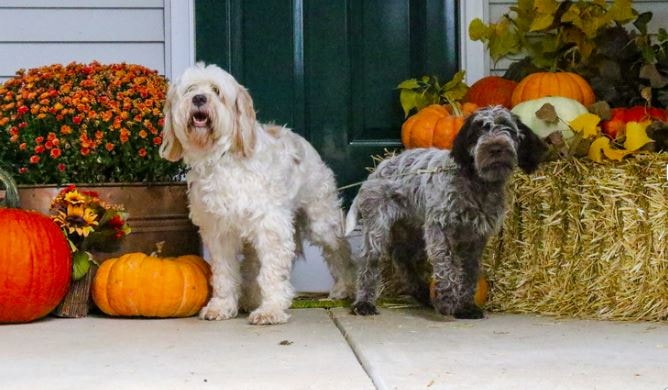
[[351, 218]]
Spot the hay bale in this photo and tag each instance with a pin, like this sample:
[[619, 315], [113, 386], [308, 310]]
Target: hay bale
[[586, 240]]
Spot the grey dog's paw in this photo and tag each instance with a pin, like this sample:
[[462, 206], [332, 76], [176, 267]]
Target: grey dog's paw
[[363, 309], [469, 311]]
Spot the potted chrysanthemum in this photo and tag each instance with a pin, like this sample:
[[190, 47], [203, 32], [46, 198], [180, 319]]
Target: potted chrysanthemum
[[96, 125]]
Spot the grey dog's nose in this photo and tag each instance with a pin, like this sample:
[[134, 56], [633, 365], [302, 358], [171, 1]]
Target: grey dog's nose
[[199, 100]]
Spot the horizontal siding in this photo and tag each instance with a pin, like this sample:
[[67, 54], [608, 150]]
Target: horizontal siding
[[659, 9], [37, 54], [42, 32], [81, 3], [72, 25]]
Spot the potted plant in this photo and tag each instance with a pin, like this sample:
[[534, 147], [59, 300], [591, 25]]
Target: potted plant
[[605, 42], [97, 125]]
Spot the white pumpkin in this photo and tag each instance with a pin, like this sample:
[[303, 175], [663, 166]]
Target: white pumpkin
[[566, 109]]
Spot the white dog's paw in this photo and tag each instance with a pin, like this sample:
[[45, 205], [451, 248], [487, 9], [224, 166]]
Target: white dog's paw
[[219, 309], [265, 316]]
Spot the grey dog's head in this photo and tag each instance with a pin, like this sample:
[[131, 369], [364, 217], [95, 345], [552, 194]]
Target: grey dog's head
[[493, 141]]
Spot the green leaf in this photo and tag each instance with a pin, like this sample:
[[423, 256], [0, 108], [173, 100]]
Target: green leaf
[[642, 21], [541, 22], [80, 264], [478, 30], [407, 98], [409, 84], [622, 11]]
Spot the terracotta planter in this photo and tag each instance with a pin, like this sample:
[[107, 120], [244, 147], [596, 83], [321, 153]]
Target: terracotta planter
[[156, 212]]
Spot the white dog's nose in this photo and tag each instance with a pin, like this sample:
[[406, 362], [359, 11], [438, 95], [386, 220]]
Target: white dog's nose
[[199, 100]]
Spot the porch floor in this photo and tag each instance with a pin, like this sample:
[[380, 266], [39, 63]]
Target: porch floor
[[331, 349]]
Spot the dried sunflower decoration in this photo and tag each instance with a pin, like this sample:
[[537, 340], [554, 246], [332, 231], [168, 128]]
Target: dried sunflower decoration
[[89, 223]]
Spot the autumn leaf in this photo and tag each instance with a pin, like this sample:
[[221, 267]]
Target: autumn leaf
[[636, 135], [547, 113], [622, 11], [601, 147], [587, 124]]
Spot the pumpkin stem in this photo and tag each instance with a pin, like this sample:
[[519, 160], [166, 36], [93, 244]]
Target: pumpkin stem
[[456, 107]]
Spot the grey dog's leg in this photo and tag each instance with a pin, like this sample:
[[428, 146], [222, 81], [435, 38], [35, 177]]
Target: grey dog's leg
[[407, 256], [454, 273], [374, 250]]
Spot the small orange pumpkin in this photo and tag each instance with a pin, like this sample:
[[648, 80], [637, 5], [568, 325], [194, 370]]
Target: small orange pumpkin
[[541, 84], [491, 91], [481, 291], [434, 126], [137, 284]]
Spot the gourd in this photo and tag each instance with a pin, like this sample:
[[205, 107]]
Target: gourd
[[137, 284], [566, 109], [11, 197], [435, 126], [35, 265], [541, 84], [491, 90]]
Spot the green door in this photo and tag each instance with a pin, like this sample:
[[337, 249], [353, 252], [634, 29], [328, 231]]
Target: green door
[[328, 68]]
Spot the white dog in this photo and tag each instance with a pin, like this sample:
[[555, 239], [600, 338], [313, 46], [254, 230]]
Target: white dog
[[252, 188]]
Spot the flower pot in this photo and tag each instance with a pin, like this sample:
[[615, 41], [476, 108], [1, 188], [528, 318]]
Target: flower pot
[[156, 212]]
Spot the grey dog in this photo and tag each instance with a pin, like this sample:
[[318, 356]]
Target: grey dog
[[441, 206]]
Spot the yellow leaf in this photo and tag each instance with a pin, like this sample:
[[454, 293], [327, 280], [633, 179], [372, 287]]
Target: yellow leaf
[[615, 154], [586, 124], [601, 147], [541, 22], [636, 136], [596, 149]]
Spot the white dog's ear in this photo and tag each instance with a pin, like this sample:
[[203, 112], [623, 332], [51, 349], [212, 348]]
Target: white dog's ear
[[171, 148], [244, 137]]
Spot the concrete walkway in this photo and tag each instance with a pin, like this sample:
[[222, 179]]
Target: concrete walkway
[[319, 349]]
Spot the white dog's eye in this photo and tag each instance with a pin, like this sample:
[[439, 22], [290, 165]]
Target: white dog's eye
[[215, 89]]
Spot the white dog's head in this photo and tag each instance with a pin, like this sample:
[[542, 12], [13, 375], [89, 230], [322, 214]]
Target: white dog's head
[[207, 110]]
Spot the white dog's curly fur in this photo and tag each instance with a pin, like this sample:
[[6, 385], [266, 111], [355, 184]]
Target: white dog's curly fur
[[252, 189]]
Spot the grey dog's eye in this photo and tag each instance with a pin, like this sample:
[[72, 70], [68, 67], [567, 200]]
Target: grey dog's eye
[[215, 89]]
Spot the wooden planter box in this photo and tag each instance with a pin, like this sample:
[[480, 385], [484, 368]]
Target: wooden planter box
[[156, 212], [586, 240]]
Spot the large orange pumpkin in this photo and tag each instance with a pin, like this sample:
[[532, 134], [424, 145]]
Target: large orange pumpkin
[[541, 84], [491, 91], [137, 284], [35, 265], [434, 126]]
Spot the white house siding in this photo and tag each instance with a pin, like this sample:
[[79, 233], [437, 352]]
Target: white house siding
[[42, 32], [496, 8]]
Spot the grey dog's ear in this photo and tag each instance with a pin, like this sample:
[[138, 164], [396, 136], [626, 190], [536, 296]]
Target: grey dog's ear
[[464, 141], [531, 150], [171, 148]]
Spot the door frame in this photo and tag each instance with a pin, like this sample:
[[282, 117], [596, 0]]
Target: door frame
[[179, 19]]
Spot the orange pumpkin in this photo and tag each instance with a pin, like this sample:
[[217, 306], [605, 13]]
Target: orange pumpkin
[[137, 284], [481, 291], [434, 126], [491, 91], [35, 265], [541, 84]]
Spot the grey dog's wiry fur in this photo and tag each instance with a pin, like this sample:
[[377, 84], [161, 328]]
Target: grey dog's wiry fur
[[441, 206]]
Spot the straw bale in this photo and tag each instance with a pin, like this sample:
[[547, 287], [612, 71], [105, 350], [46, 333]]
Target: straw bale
[[586, 240]]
